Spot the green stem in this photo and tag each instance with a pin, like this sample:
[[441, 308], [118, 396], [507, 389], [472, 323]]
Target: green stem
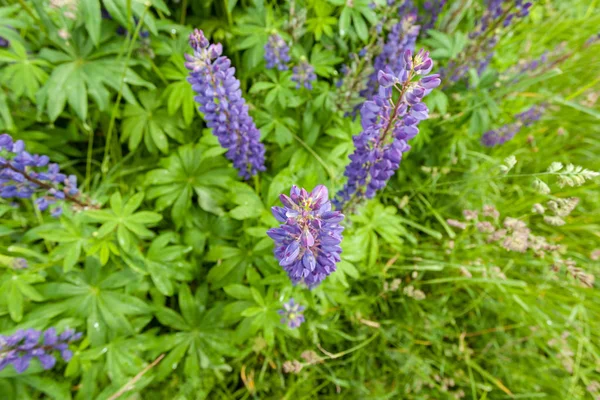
[[317, 157], [113, 115]]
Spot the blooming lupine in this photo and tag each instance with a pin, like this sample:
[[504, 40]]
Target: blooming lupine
[[307, 244], [506, 132], [388, 125], [304, 75], [478, 54], [277, 53], [225, 110], [4, 42], [21, 347], [402, 37], [23, 174], [433, 10], [291, 314]]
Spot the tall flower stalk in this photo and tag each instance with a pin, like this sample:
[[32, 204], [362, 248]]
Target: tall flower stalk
[[389, 121], [478, 54], [218, 92], [24, 175]]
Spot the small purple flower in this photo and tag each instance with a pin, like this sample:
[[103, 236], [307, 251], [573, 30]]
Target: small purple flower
[[23, 174], [402, 37], [23, 346], [307, 244], [388, 125], [304, 75], [506, 132], [292, 314], [433, 10], [4, 42], [225, 111], [277, 53]]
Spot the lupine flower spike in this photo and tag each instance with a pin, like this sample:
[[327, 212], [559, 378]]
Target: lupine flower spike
[[505, 133], [387, 128], [478, 54], [277, 53], [291, 314], [21, 347], [402, 37], [304, 75], [23, 174], [307, 244], [225, 110]]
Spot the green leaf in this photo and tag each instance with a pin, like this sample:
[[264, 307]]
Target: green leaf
[[238, 291], [92, 18], [15, 303]]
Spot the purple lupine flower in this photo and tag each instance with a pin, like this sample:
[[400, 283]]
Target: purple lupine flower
[[277, 53], [225, 111], [292, 314], [387, 128], [478, 54], [4, 42], [304, 75], [402, 37], [506, 132], [21, 347], [23, 174], [307, 244], [433, 9]]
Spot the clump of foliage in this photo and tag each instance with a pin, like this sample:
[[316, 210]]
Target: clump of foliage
[[446, 243]]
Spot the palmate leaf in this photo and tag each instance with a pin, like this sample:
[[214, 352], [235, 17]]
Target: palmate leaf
[[96, 296], [180, 94], [83, 70], [202, 339], [166, 264], [185, 173], [123, 221], [18, 288], [24, 74], [149, 122]]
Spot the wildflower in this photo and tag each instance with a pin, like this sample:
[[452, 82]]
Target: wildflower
[[416, 294], [21, 347], [401, 38], [4, 42], [490, 211], [563, 207], [485, 227], [23, 174], [387, 127], [307, 245], [538, 209], [579, 274], [505, 133], [595, 255], [224, 108], [470, 214], [277, 53], [484, 38], [13, 262], [456, 224], [554, 220], [433, 10], [304, 75], [292, 314], [293, 366], [311, 357]]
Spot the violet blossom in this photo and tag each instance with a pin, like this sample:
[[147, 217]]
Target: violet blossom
[[23, 174], [307, 244], [388, 125], [23, 346], [291, 314], [277, 53], [225, 111]]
